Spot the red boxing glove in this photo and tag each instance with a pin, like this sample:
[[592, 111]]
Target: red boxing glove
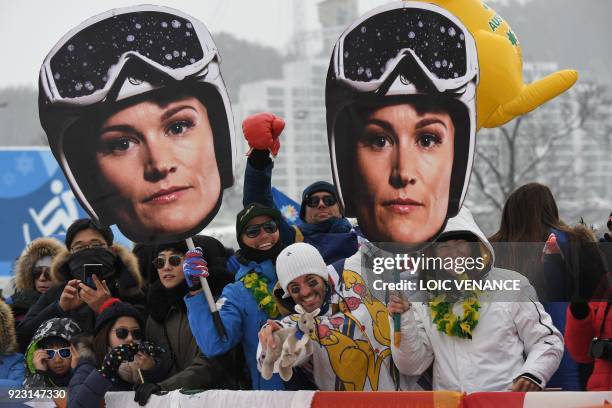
[[262, 131]]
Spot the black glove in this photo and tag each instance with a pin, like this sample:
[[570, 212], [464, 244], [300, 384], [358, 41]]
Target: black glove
[[151, 349], [143, 392], [114, 358]]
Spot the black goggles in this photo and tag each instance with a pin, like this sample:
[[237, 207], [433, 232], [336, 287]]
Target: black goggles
[[173, 260], [370, 51], [63, 352], [254, 230], [328, 201], [122, 333], [88, 60]]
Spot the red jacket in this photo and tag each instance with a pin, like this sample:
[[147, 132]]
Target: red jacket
[[578, 336]]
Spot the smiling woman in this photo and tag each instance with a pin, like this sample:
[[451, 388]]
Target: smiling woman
[[142, 129]]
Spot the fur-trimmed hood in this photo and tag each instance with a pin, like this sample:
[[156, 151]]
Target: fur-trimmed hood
[[128, 280], [37, 249], [8, 338]]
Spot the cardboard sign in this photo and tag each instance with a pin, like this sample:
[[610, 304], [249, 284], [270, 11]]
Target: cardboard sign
[[138, 117]]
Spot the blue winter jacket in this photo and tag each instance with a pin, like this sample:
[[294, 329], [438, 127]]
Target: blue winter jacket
[[12, 370], [87, 386], [333, 246], [242, 319]]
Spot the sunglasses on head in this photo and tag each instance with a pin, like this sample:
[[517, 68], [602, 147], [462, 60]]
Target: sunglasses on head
[[328, 201], [122, 333], [253, 231], [63, 352], [173, 260], [41, 270]]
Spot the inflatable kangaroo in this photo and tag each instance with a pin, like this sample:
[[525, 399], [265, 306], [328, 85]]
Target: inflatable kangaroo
[[502, 95], [294, 340]]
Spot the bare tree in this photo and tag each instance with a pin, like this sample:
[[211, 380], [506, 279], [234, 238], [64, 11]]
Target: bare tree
[[538, 146]]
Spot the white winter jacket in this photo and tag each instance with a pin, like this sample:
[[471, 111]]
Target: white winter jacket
[[512, 337], [351, 347]]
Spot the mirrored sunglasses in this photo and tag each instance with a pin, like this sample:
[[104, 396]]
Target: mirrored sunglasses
[[174, 260], [254, 230], [328, 201]]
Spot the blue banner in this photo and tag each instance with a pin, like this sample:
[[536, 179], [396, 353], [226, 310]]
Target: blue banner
[[35, 201], [288, 208]]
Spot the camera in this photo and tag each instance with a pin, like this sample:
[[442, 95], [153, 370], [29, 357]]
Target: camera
[[601, 349]]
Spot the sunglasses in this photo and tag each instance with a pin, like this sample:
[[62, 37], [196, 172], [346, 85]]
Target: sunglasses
[[254, 230], [122, 333], [41, 270], [328, 201], [173, 260], [63, 352]]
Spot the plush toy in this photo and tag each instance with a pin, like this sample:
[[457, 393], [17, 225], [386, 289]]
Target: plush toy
[[502, 95], [294, 340]]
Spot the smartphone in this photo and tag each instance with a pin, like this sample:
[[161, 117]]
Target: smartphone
[[88, 271]]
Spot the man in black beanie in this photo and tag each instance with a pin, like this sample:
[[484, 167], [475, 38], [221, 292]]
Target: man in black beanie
[[323, 225]]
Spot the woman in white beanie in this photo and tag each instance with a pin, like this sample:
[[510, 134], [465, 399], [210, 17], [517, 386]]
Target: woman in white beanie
[[352, 333]]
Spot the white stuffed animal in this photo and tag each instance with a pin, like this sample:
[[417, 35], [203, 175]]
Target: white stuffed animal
[[294, 340]]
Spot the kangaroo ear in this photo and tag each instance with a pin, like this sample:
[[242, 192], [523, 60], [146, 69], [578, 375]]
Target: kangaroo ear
[[315, 312], [299, 309]]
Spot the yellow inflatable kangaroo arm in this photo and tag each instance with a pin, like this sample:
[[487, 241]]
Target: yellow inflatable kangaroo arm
[[502, 95]]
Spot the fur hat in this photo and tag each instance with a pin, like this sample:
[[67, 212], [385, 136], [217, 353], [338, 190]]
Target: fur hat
[[8, 338], [36, 250]]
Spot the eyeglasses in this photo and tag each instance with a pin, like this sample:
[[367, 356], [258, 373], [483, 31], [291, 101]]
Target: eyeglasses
[[39, 271], [122, 333], [254, 230], [173, 260], [63, 352], [92, 244], [328, 201]]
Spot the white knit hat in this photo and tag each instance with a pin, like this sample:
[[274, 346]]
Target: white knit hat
[[298, 260]]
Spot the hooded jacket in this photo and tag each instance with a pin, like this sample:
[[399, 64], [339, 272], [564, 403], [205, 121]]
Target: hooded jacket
[[509, 327], [57, 327], [183, 364], [126, 284], [25, 291], [11, 362]]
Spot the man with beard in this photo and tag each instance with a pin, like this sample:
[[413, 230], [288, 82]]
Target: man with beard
[[75, 298]]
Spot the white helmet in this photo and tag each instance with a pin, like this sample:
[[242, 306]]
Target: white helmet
[[398, 51], [115, 57]]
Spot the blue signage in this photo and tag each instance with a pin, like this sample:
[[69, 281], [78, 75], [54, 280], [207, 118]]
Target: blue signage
[[35, 201]]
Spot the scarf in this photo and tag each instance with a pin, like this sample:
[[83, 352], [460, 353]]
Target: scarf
[[332, 225], [160, 300]]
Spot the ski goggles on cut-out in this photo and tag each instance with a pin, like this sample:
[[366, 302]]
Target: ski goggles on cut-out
[[83, 66], [368, 54]]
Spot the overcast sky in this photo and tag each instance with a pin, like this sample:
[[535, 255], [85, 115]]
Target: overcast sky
[[29, 28]]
